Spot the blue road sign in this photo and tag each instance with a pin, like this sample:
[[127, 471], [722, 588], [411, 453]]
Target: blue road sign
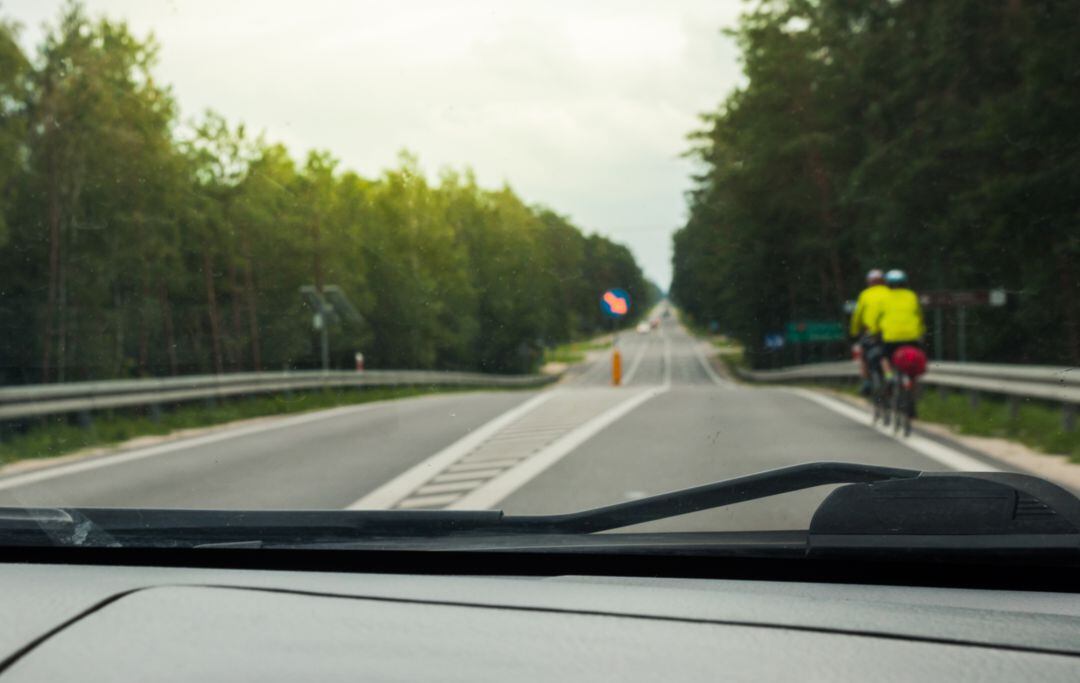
[[615, 303], [774, 341]]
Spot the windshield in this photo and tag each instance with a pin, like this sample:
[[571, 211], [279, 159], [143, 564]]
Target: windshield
[[536, 257]]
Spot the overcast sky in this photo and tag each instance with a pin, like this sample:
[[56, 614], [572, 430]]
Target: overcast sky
[[581, 105]]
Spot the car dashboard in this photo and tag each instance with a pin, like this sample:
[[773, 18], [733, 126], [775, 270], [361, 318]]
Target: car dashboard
[[136, 623]]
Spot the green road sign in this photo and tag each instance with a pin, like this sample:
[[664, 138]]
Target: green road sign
[[813, 331]]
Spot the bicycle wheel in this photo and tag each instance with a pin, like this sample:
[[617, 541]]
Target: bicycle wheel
[[898, 410], [877, 396]]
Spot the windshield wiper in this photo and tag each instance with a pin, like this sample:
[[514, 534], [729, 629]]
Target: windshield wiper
[[880, 507]]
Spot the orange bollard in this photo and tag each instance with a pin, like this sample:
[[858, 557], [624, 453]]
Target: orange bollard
[[616, 368]]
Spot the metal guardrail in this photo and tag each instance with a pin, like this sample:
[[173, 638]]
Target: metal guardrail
[[30, 401], [1015, 382]]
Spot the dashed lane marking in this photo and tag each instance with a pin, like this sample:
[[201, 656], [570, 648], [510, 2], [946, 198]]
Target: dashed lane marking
[[491, 492], [637, 362], [398, 488]]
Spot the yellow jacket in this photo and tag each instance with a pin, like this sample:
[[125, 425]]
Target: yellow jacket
[[867, 310], [901, 318]]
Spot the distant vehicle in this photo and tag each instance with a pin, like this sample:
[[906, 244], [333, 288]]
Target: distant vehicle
[[643, 328]]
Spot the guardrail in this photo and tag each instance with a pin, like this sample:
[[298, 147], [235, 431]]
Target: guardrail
[[1015, 382], [30, 401]]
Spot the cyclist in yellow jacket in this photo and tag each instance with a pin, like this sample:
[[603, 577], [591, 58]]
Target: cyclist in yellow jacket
[[864, 323], [900, 319]]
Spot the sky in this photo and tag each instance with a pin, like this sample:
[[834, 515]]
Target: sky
[[583, 107]]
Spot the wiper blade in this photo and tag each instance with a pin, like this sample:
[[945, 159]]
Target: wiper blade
[[221, 528], [709, 496], [880, 507]]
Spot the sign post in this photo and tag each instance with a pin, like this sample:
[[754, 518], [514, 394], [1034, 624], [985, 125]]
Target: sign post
[[961, 300], [615, 304], [330, 306]]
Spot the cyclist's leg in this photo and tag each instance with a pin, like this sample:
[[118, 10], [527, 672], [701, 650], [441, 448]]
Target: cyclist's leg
[[865, 362]]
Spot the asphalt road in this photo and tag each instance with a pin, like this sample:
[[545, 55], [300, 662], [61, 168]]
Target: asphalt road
[[674, 423]]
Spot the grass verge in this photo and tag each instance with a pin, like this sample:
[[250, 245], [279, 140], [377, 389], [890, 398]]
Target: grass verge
[[574, 352], [1036, 425], [57, 436]]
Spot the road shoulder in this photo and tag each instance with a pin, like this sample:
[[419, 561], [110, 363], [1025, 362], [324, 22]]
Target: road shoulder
[[1010, 454]]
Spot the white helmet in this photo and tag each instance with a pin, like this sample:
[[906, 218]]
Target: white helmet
[[895, 277]]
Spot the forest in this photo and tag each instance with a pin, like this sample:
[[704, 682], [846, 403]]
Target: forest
[[136, 242], [942, 138]]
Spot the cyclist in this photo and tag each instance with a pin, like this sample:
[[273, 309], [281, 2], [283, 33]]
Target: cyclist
[[900, 319], [864, 324]]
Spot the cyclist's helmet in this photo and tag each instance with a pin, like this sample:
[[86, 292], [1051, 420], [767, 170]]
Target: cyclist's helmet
[[875, 276], [896, 278]]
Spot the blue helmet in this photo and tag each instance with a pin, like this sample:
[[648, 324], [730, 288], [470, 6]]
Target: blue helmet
[[895, 278]]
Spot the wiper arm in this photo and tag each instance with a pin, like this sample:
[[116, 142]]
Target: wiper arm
[[179, 528], [709, 496], [881, 505]]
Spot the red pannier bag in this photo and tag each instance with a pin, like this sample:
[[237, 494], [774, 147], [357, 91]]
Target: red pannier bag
[[909, 360]]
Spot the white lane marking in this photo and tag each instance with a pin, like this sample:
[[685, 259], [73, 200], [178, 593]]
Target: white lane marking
[[637, 363], [484, 464], [172, 446], [428, 501], [500, 487], [450, 487], [667, 360], [497, 454], [399, 488], [708, 366], [468, 475], [950, 457]]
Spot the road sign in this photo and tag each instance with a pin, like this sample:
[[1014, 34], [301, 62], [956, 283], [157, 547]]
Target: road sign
[[813, 331], [615, 303], [963, 298], [774, 341], [330, 306]]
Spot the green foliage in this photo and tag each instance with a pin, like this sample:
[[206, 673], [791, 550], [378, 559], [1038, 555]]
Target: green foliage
[[1035, 424], [938, 137], [574, 352], [132, 244]]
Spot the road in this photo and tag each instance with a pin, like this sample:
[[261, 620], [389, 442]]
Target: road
[[674, 423]]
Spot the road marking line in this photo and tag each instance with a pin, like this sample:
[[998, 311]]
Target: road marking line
[[637, 363], [399, 488], [451, 487], [466, 476], [708, 366], [482, 457], [485, 464], [502, 486], [667, 360], [428, 501], [950, 457], [94, 463]]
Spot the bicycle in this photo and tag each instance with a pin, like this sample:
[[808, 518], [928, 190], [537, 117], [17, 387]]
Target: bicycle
[[903, 403], [879, 389]]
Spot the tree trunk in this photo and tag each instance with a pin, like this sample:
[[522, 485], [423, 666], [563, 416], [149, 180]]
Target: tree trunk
[[53, 219], [168, 329], [212, 311], [252, 310], [316, 236], [1070, 301], [236, 319], [144, 300], [828, 221]]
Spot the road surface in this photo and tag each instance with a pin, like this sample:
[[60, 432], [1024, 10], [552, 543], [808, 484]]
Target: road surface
[[582, 443]]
